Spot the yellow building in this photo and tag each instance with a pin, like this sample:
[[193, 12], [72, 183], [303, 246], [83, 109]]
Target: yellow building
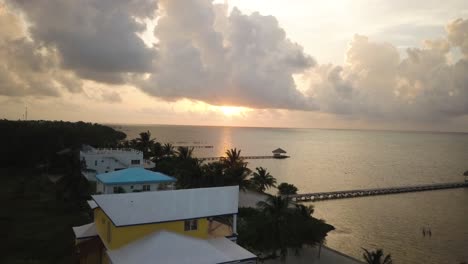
[[192, 226]]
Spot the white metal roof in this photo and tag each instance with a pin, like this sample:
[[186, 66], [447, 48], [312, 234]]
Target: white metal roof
[[85, 231], [152, 207], [167, 247], [92, 204]]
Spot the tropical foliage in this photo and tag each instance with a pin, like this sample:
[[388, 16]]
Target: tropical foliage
[[262, 180], [41, 203], [287, 189], [279, 228], [376, 257], [192, 173], [145, 143], [27, 144]]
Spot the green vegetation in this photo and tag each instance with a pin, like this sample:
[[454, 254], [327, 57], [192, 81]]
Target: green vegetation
[[192, 173], [44, 193], [262, 180], [37, 215], [376, 257], [287, 189], [279, 227], [28, 144]]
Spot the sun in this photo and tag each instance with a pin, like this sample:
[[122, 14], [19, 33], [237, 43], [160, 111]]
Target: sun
[[231, 110]]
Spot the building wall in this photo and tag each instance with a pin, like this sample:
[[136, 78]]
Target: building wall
[[120, 236], [107, 162], [109, 189]]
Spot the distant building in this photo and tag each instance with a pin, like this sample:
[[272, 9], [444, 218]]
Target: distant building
[[97, 161], [278, 153], [133, 180], [180, 226]]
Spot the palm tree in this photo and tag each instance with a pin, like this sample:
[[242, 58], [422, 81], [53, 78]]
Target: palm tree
[[277, 213], [184, 152], [145, 143], [262, 179], [157, 151], [168, 150], [376, 257], [232, 157], [275, 205], [287, 189]]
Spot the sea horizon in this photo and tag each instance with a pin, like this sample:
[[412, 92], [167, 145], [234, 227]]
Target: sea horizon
[[281, 127]]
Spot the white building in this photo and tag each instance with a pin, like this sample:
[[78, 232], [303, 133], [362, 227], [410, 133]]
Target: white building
[[133, 180], [97, 161]]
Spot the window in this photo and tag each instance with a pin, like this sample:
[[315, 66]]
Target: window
[[135, 162], [131, 186], [116, 189], [146, 187], [95, 163], [191, 225]]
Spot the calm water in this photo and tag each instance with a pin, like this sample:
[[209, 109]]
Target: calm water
[[326, 160]]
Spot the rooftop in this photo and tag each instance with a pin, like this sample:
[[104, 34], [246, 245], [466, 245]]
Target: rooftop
[[167, 247], [133, 175], [92, 204], [141, 208], [85, 231], [279, 151]]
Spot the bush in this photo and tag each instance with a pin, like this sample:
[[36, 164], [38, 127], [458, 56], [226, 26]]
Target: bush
[[287, 189]]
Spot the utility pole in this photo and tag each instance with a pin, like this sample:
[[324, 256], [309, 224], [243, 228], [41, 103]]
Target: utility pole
[[26, 114]]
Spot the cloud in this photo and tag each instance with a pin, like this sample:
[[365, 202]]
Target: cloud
[[111, 97], [96, 39], [203, 53], [458, 34], [28, 68], [236, 59], [376, 83]]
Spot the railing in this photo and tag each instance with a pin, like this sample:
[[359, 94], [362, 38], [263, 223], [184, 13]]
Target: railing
[[321, 196], [243, 157], [111, 151]]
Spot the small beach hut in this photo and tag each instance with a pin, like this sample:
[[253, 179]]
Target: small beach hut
[[278, 153], [466, 176]]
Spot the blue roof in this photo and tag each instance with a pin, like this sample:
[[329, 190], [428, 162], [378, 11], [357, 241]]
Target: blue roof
[[133, 175]]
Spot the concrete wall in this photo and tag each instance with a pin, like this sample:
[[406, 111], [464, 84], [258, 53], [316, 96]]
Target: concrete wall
[[103, 161], [108, 189]]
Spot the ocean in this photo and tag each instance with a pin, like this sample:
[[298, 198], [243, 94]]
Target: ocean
[[333, 160]]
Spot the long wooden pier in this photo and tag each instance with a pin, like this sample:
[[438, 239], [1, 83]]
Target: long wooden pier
[[321, 196], [243, 157]]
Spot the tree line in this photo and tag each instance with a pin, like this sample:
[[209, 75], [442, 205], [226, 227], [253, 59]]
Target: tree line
[[27, 144]]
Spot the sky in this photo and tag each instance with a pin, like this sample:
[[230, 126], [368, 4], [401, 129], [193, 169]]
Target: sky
[[359, 64]]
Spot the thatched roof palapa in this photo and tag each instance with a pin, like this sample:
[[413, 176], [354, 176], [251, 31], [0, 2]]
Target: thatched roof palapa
[[279, 151]]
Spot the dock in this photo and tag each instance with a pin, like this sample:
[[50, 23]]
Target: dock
[[243, 157], [322, 196], [194, 146]]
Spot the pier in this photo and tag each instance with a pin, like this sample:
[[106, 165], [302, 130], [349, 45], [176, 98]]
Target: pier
[[321, 196], [194, 146], [243, 157]]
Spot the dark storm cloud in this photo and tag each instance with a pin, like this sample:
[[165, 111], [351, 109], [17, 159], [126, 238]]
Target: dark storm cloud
[[27, 68], [96, 39]]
